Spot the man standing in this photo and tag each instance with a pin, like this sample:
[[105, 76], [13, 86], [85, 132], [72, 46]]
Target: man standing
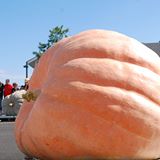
[[7, 88], [15, 87], [1, 95]]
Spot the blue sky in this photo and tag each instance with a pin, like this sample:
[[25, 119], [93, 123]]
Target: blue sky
[[25, 23]]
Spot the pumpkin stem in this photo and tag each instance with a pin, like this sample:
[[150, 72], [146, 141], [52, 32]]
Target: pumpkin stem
[[31, 95]]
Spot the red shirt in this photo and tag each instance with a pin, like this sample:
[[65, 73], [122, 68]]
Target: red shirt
[[7, 89]]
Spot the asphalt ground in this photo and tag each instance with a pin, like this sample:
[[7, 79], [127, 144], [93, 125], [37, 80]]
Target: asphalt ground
[[8, 147]]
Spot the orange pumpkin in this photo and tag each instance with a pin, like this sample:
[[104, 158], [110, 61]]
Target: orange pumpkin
[[99, 98]]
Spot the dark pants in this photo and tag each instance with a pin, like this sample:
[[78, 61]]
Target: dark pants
[[1, 103]]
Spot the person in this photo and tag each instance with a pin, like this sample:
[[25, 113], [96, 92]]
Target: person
[[26, 84], [1, 95], [7, 88], [15, 87]]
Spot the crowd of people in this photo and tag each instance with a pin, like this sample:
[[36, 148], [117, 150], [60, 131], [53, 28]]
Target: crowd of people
[[8, 88]]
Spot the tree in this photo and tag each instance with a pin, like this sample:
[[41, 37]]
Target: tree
[[55, 35]]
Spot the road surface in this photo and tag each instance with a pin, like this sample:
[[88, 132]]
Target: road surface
[[8, 148]]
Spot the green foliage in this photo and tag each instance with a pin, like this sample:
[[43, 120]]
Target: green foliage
[[55, 35]]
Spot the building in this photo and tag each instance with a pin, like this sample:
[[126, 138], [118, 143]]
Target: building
[[33, 61], [154, 46]]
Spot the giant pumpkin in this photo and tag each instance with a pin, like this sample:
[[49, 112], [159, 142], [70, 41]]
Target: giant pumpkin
[[99, 97], [12, 103]]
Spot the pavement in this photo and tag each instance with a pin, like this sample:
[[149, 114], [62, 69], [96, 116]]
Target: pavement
[[8, 147]]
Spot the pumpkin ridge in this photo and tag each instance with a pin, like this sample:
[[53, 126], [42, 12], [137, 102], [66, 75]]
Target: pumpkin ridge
[[62, 96], [22, 140], [138, 136], [105, 123], [20, 125], [110, 121], [93, 75], [128, 59], [105, 52]]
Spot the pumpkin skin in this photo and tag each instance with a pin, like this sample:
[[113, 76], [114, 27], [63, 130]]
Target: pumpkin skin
[[11, 104], [99, 98]]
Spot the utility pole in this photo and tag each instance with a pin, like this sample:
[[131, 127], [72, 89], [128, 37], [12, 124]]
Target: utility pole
[[26, 66]]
